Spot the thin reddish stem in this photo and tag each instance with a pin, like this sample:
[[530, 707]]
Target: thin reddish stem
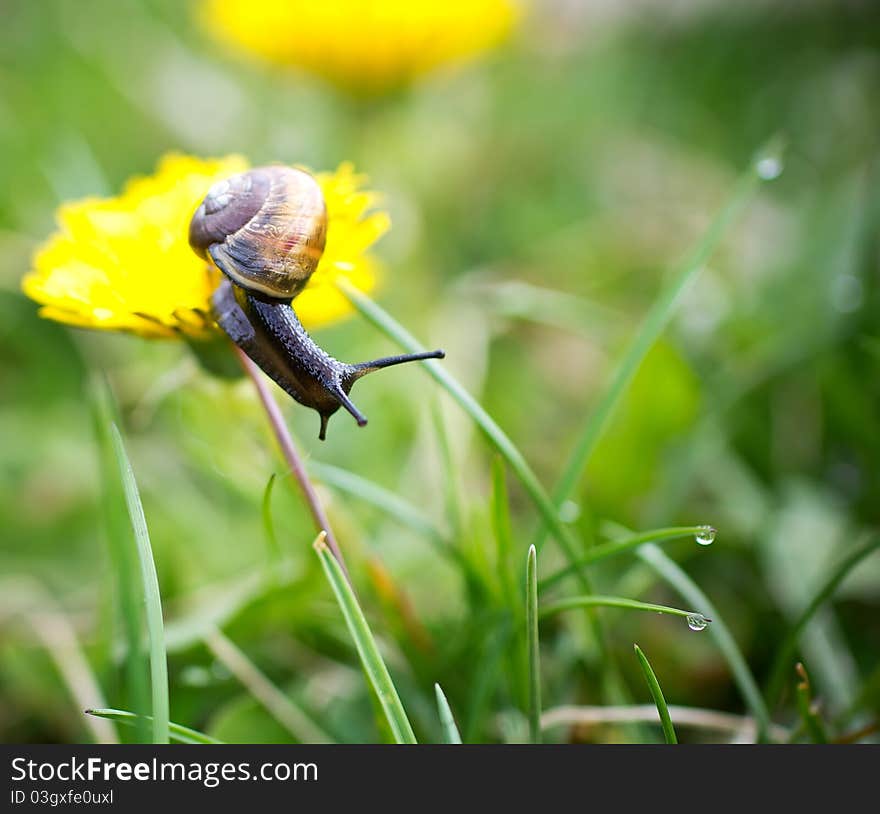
[[292, 456]]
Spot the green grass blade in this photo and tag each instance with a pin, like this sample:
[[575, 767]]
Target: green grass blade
[[653, 325], [615, 548], [450, 730], [369, 654], [176, 732], [382, 320], [673, 575], [785, 652], [268, 525], [122, 556], [699, 620], [811, 720], [657, 695], [533, 645], [150, 587]]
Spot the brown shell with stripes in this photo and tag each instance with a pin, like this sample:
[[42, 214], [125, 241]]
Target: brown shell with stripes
[[265, 229]]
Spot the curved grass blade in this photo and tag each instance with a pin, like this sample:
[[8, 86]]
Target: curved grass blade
[[533, 645], [616, 547], [369, 654], [657, 695], [673, 575], [382, 320], [652, 327], [450, 730], [786, 650], [811, 720], [150, 586], [268, 525], [698, 620], [122, 556], [176, 732]]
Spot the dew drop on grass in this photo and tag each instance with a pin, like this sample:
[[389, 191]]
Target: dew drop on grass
[[768, 168], [705, 536], [569, 512], [696, 621]]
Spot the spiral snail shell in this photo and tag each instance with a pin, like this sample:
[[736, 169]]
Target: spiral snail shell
[[265, 229]]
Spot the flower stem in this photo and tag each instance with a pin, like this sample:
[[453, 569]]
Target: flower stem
[[292, 456]]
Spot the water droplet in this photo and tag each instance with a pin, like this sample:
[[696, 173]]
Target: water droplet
[[569, 511], [696, 621], [768, 167], [705, 536]]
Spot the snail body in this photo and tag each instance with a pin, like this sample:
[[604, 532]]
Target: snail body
[[265, 230]]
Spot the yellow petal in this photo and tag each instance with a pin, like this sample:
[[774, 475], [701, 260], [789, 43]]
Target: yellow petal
[[366, 46], [124, 263]]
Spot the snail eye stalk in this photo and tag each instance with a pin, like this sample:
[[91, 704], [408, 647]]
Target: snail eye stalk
[[265, 231], [389, 361]]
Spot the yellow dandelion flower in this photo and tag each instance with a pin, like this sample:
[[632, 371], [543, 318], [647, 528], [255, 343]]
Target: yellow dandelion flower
[[367, 46], [124, 263]]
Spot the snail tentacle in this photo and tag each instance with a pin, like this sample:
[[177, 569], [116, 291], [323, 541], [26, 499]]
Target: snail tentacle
[[265, 230]]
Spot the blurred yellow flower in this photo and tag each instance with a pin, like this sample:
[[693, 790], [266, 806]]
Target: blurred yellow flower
[[125, 264], [367, 46]]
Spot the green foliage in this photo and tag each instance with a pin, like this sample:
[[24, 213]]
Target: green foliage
[[450, 729], [808, 709], [124, 557], [657, 695], [688, 589], [593, 600], [533, 646], [268, 526], [149, 590], [371, 659], [176, 732]]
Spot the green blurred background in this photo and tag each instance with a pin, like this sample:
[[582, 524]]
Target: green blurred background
[[538, 197]]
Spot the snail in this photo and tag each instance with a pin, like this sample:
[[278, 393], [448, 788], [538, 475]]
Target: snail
[[265, 231]]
